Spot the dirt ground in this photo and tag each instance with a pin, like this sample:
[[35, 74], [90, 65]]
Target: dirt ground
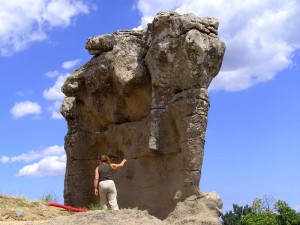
[[20, 211], [13, 209]]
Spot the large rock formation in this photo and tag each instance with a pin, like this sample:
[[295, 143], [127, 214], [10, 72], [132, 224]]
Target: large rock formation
[[143, 97]]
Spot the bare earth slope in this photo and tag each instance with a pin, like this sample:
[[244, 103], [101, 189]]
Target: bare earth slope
[[39, 213], [29, 210]]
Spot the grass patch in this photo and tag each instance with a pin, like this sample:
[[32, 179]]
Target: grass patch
[[95, 206], [49, 197], [15, 202]]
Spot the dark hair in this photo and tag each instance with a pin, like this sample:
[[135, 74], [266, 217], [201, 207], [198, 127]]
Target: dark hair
[[104, 158]]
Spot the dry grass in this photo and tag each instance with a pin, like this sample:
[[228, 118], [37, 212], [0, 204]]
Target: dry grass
[[32, 210]]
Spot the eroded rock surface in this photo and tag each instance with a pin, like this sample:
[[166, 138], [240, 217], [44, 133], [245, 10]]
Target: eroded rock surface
[[143, 97]]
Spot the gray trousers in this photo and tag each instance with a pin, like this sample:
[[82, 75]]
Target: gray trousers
[[108, 194]]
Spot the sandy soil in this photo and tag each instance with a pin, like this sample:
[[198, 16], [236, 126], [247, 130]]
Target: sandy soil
[[13, 209], [20, 211]]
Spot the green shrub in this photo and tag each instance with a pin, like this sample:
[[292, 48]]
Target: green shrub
[[49, 197], [96, 206], [259, 219]]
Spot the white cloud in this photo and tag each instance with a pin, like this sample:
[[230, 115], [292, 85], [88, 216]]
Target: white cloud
[[60, 12], [53, 73], [261, 36], [23, 22], [35, 155], [51, 162], [55, 95], [149, 8], [297, 208], [56, 115], [140, 27], [70, 64], [55, 110], [21, 109], [4, 159], [48, 166], [24, 93]]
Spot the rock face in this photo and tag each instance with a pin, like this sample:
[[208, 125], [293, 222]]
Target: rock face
[[143, 97]]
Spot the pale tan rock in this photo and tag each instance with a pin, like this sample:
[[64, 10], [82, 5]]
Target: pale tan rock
[[204, 210], [97, 45], [143, 97]]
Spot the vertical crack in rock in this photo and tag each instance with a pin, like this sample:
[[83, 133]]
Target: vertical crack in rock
[[143, 96]]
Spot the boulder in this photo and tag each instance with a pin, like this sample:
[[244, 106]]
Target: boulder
[[143, 97]]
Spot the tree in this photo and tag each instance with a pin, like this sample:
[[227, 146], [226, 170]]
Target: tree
[[260, 219], [262, 212], [234, 217], [264, 204], [286, 215]]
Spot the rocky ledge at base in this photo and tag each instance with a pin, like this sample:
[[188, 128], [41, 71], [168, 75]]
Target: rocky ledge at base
[[143, 96]]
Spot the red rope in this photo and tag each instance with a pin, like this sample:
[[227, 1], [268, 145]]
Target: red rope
[[67, 207]]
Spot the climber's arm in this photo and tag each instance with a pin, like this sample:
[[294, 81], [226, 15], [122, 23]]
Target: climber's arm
[[119, 165], [96, 181]]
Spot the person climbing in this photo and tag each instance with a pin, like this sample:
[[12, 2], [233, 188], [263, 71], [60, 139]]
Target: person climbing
[[104, 183]]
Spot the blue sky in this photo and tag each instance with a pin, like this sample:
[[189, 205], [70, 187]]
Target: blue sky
[[253, 136]]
